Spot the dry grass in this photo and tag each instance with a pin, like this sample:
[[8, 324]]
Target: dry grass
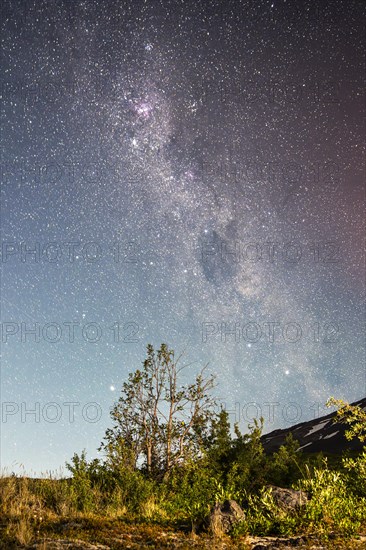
[[151, 509], [18, 500], [216, 527], [21, 509], [116, 511], [21, 530], [8, 492]]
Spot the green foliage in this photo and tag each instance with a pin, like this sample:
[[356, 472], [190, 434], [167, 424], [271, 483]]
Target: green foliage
[[81, 486], [263, 517], [332, 505], [353, 415], [284, 465], [136, 489], [248, 462], [220, 442], [226, 491], [356, 473], [192, 492], [56, 495], [95, 485]]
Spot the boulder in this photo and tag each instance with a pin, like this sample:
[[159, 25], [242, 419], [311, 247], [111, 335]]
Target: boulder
[[288, 499], [224, 516]]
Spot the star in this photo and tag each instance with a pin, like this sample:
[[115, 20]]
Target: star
[[189, 177]]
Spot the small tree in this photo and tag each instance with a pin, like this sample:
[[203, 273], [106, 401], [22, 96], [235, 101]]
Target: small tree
[[284, 468], [81, 483], [248, 459], [220, 443], [157, 422]]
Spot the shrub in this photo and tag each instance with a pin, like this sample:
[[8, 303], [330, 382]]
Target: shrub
[[356, 473], [81, 485], [264, 517], [283, 465], [56, 495], [192, 492], [332, 507]]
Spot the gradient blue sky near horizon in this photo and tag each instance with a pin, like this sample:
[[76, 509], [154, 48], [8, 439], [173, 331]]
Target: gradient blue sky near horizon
[[180, 172]]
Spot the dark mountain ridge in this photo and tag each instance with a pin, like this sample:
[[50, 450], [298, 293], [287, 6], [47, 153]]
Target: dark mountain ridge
[[314, 436]]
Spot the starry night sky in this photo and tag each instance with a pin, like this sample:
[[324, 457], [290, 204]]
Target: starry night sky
[[189, 172]]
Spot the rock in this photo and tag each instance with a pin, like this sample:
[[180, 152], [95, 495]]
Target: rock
[[66, 544], [280, 543], [224, 516], [288, 499]]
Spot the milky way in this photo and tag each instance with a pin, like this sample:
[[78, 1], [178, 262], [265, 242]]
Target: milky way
[[184, 172]]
